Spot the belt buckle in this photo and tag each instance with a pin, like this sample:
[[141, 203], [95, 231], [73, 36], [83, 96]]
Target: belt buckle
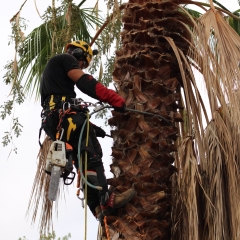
[[76, 101]]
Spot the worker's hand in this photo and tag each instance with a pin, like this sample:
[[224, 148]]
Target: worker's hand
[[121, 109], [99, 131]]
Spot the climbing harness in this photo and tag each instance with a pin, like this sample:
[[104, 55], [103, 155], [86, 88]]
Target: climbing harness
[[57, 163]]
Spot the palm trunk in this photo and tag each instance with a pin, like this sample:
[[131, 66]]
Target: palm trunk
[[148, 76]]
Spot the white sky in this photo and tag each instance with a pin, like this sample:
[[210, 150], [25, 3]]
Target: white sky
[[17, 172]]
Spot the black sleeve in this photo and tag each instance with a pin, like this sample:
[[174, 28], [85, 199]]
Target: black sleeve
[[87, 84]]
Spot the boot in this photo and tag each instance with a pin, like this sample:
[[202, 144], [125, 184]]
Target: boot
[[99, 215], [117, 201]]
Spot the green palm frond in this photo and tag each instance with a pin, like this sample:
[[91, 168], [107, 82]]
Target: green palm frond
[[195, 14], [81, 3], [87, 20], [34, 53], [36, 49], [220, 5], [234, 23]]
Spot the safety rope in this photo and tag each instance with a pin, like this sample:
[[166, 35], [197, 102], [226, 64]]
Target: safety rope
[[84, 178], [81, 172], [151, 114], [62, 114], [85, 190], [106, 227], [80, 160]]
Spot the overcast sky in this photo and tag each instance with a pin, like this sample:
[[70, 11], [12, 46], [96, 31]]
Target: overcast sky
[[17, 171]]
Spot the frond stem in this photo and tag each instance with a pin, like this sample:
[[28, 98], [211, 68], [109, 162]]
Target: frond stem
[[199, 4], [101, 29]]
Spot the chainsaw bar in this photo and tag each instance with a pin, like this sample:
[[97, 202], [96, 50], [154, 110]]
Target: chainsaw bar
[[54, 183]]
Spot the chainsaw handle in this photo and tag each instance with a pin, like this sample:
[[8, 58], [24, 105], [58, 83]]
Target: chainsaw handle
[[71, 178]]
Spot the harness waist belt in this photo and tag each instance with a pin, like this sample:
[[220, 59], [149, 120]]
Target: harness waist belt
[[57, 101]]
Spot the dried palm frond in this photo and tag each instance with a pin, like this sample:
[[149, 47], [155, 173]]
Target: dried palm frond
[[210, 206], [39, 195], [220, 176], [187, 200], [39, 202]]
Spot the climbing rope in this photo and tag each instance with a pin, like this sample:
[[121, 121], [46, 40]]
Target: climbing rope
[[80, 159], [85, 190], [62, 114], [86, 122], [151, 114], [106, 227]]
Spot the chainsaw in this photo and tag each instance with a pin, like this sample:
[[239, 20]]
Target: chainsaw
[[59, 164]]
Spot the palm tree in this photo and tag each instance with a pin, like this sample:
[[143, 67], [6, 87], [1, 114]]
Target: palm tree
[[185, 169], [186, 175]]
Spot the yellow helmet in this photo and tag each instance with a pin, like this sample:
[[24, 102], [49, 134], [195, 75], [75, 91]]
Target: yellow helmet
[[82, 51]]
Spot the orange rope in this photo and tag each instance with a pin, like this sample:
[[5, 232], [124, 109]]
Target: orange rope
[[61, 115], [106, 227]]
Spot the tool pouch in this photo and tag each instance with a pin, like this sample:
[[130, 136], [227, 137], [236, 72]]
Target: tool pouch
[[50, 122]]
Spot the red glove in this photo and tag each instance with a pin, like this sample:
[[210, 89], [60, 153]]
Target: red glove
[[107, 95], [88, 85]]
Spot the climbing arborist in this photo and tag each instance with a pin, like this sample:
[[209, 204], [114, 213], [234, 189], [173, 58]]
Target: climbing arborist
[[62, 73]]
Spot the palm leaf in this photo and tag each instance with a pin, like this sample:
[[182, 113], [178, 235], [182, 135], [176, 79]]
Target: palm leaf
[[215, 52], [81, 3], [220, 5], [235, 23], [195, 14], [39, 194], [36, 49], [34, 56]]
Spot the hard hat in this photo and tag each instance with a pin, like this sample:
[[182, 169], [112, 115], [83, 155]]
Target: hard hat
[[82, 52]]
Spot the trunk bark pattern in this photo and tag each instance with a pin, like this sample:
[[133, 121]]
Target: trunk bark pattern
[[147, 75]]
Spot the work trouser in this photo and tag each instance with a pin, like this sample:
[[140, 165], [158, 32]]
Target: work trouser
[[72, 125]]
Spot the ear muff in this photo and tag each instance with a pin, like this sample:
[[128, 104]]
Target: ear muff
[[79, 54], [83, 46]]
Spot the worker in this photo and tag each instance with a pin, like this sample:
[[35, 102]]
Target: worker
[[62, 73]]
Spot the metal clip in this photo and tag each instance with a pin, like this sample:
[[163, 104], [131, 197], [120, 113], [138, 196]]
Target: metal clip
[[81, 190], [68, 106], [62, 131], [76, 101], [98, 106]]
